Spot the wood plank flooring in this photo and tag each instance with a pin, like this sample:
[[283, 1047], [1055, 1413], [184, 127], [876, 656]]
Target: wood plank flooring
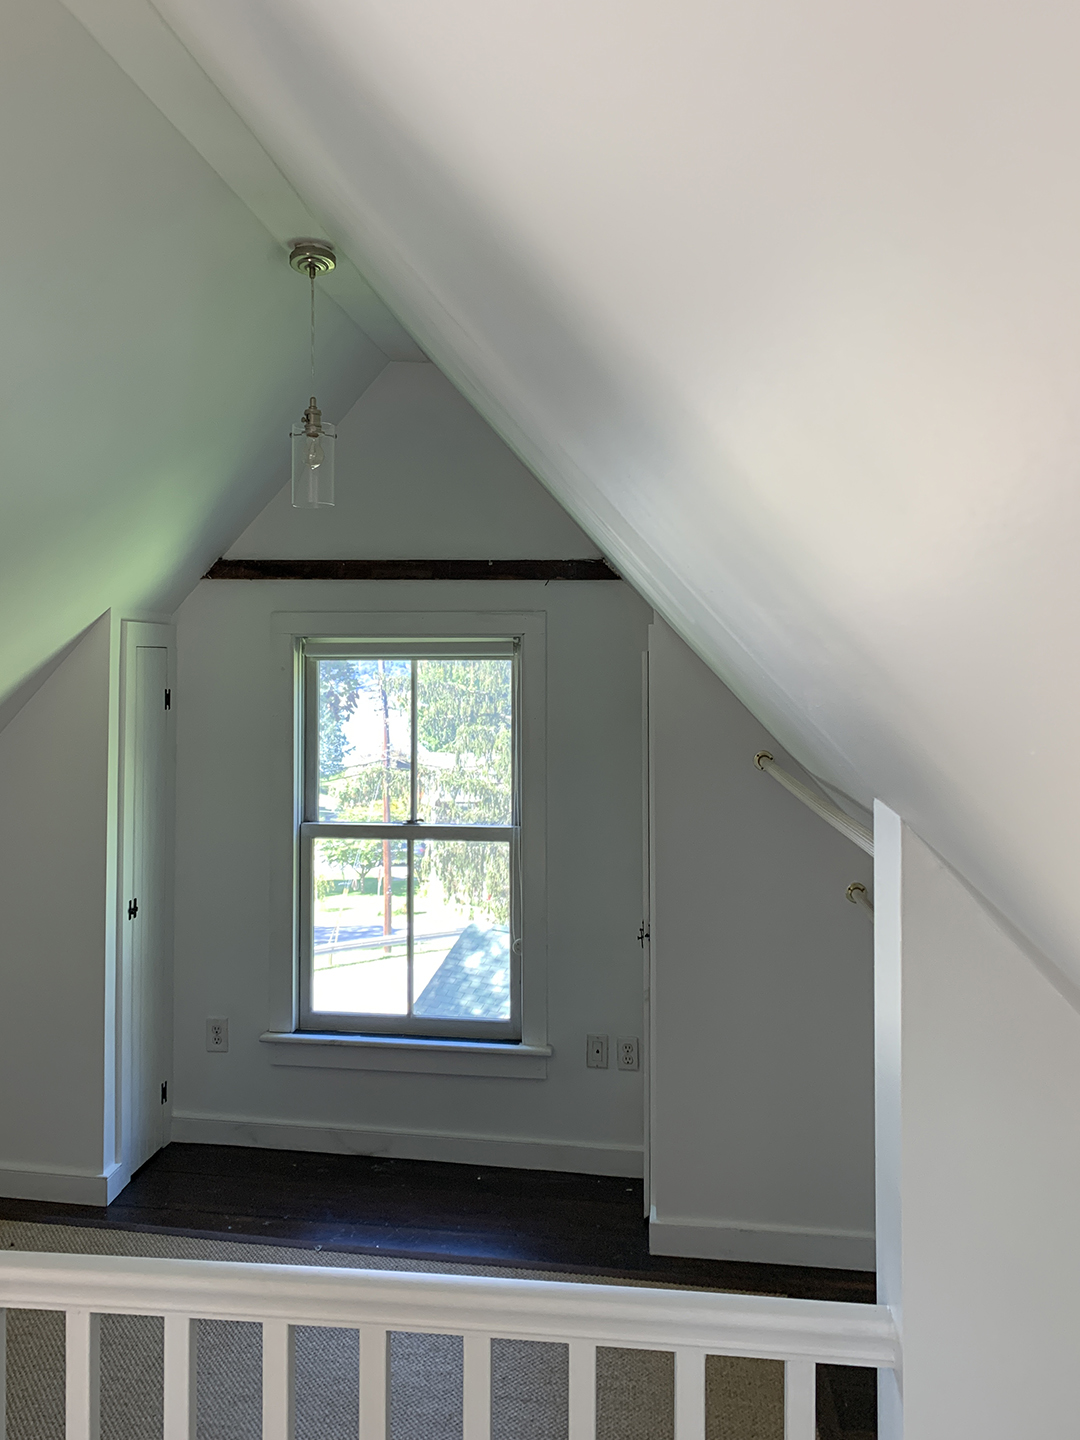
[[539, 1219], [533, 1219]]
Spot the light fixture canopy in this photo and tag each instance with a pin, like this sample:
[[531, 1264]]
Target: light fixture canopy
[[312, 257], [313, 438]]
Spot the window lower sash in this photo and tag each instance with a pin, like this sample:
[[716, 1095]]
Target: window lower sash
[[413, 951]]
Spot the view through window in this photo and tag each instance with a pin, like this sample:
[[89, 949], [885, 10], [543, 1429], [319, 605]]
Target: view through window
[[408, 845]]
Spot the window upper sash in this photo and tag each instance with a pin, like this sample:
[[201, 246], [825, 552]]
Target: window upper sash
[[405, 830], [412, 649]]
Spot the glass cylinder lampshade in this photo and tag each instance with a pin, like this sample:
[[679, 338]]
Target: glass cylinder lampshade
[[313, 440]]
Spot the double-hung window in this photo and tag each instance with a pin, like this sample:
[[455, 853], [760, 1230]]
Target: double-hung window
[[409, 838]]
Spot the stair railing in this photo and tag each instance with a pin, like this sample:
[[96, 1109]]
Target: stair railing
[[692, 1324]]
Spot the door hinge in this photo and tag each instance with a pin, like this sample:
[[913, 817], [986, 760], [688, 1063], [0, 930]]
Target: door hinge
[[642, 935], [168, 699], [164, 1091], [133, 909]]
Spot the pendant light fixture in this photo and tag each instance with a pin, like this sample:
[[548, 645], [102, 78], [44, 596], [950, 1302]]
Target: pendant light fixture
[[313, 437]]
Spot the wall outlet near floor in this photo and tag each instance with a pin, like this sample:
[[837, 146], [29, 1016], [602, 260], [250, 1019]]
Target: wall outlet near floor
[[217, 1035], [628, 1052], [596, 1052]]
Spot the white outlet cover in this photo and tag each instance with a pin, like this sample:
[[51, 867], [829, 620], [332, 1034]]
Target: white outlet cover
[[627, 1050], [596, 1052], [217, 1035]]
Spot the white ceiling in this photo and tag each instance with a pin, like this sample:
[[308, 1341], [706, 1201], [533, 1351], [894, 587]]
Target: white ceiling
[[153, 348], [149, 53], [781, 302]]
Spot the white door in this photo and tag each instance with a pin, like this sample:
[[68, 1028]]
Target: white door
[[147, 904], [645, 933]]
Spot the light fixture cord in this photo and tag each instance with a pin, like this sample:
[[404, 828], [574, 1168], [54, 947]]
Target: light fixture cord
[[311, 276]]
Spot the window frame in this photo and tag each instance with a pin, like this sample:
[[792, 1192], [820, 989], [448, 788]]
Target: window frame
[[312, 828], [524, 1059]]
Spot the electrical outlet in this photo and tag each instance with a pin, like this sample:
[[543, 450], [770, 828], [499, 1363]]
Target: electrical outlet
[[596, 1052], [628, 1052], [217, 1035]]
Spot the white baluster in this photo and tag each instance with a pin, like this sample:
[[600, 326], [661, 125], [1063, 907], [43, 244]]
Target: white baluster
[[181, 1357], [689, 1395], [582, 1390], [476, 1397], [82, 1389], [279, 1365], [800, 1400], [374, 1373], [3, 1374]]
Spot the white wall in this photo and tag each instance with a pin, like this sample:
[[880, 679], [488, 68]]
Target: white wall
[[979, 1159], [781, 302], [155, 328], [418, 475], [762, 995], [57, 869]]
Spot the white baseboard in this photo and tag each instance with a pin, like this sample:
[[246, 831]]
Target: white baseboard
[[766, 1244], [517, 1153], [116, 1181], [62, 1187]]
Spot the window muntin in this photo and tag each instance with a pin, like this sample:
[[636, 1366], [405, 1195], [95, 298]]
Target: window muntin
[[364, 722], [409, 841]]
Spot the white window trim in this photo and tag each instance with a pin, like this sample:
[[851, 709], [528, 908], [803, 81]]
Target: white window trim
[[524, 1059], [415, 829]]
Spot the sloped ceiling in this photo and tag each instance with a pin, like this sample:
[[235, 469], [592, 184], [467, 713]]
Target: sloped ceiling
[[153, 347], [781, 302]]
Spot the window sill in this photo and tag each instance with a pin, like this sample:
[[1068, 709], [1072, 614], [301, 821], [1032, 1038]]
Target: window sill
[[408, 1054]]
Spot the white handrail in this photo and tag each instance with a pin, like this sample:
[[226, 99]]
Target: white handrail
[[769, 1327], [830, 813], [692, 1324], [858, 894]]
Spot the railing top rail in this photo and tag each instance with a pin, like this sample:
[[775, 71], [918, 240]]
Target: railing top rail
[[770, 1327]]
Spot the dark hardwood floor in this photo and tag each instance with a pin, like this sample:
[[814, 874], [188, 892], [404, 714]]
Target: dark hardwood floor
[[537, 1219], [532, 1219]]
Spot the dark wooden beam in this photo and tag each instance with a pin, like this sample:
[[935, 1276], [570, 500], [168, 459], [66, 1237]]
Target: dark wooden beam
[[411, 570]]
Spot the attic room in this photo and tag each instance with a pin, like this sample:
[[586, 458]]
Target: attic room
[[422, 1012]]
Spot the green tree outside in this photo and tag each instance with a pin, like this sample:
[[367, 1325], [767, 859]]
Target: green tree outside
[[464, 747]]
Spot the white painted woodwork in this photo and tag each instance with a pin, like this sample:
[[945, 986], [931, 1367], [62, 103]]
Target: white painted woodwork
[[693, 1324], [853, 830], [82, 1375], [148, 935], [689, 1394], [645, 941], [800, 1400], [581, 1397], [766, 1326], [476, 1387], [456, 1147], [761, 995], [374, 1381], [278, 1380], [180, 1377]]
